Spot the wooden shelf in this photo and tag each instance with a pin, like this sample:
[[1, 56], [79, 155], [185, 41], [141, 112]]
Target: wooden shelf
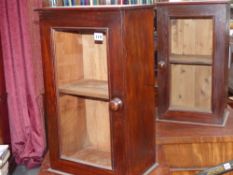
[[91, 156], [88, 88], [191, 59]]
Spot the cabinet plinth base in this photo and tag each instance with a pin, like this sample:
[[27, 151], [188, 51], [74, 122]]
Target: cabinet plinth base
[[46, 169], [188, 149], [222, 124]]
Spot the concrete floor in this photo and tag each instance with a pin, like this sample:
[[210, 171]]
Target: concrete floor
[[22, 170]]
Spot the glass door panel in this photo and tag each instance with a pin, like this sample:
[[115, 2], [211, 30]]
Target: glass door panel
[[83, 95], [190, 60]]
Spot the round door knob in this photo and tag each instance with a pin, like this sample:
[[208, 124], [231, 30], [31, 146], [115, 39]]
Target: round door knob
[[161, 64], [115, 104]]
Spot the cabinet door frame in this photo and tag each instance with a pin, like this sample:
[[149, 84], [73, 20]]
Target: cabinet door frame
[[95, 19], [219, 14]]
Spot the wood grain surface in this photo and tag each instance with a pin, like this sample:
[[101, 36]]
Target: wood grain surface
[[190, 147], [192, 37], [191, 88], [193, 31]]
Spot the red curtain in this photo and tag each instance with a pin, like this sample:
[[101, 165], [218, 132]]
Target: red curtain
[[22, 63]]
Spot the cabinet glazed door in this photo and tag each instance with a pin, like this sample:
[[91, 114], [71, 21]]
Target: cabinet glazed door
[[82, 81]]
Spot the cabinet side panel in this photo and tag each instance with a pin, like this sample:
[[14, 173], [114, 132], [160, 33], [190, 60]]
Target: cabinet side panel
[[220, 66], [139, 104]]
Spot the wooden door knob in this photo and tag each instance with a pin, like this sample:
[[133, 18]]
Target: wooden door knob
[[115, 104], [161, 64]]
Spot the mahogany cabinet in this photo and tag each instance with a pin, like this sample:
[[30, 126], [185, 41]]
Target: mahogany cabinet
[[99, 88], [4, 122], [193, 41]]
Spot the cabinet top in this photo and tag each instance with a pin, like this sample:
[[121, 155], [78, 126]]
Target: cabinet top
[[191, 2], [95, 7]]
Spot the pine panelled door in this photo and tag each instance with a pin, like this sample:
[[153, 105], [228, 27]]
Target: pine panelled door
[[193, 42]]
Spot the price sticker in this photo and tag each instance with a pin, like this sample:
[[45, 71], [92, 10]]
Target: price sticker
[[227, 166], [98, 36]]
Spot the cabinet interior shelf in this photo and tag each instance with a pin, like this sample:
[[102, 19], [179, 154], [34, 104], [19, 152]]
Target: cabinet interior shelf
[[191, 59], [88, 88], [91, 156]]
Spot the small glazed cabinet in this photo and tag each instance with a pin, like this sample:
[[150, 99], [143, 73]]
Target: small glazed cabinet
[[193, 41], [99, 85]]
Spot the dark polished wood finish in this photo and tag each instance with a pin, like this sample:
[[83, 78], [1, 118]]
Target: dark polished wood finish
[[131, 79], [219, 12], [4, 121]]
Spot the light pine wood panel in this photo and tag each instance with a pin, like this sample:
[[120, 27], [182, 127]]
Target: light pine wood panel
[[182, 86], [78, 58], [72, 125], [191, 88], [84, 124], [203, 87], [197, 155], [98, 124], [69, 57], [94, 58], [191, 36]]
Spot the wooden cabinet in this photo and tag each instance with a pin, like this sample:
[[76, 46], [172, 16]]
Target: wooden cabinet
[[192, 59], [4, 122], [99, 85]]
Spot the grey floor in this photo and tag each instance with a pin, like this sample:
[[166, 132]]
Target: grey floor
[[22, 170]]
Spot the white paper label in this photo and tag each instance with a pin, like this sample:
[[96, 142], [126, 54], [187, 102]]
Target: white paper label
[[98, 36], [227, 166]]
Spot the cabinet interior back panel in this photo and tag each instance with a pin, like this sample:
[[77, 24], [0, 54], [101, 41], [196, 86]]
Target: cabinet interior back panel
[[84, 129], [78, 57], [94, 58], [191, 36], [68, 57], [83, 124], [191, 88]]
